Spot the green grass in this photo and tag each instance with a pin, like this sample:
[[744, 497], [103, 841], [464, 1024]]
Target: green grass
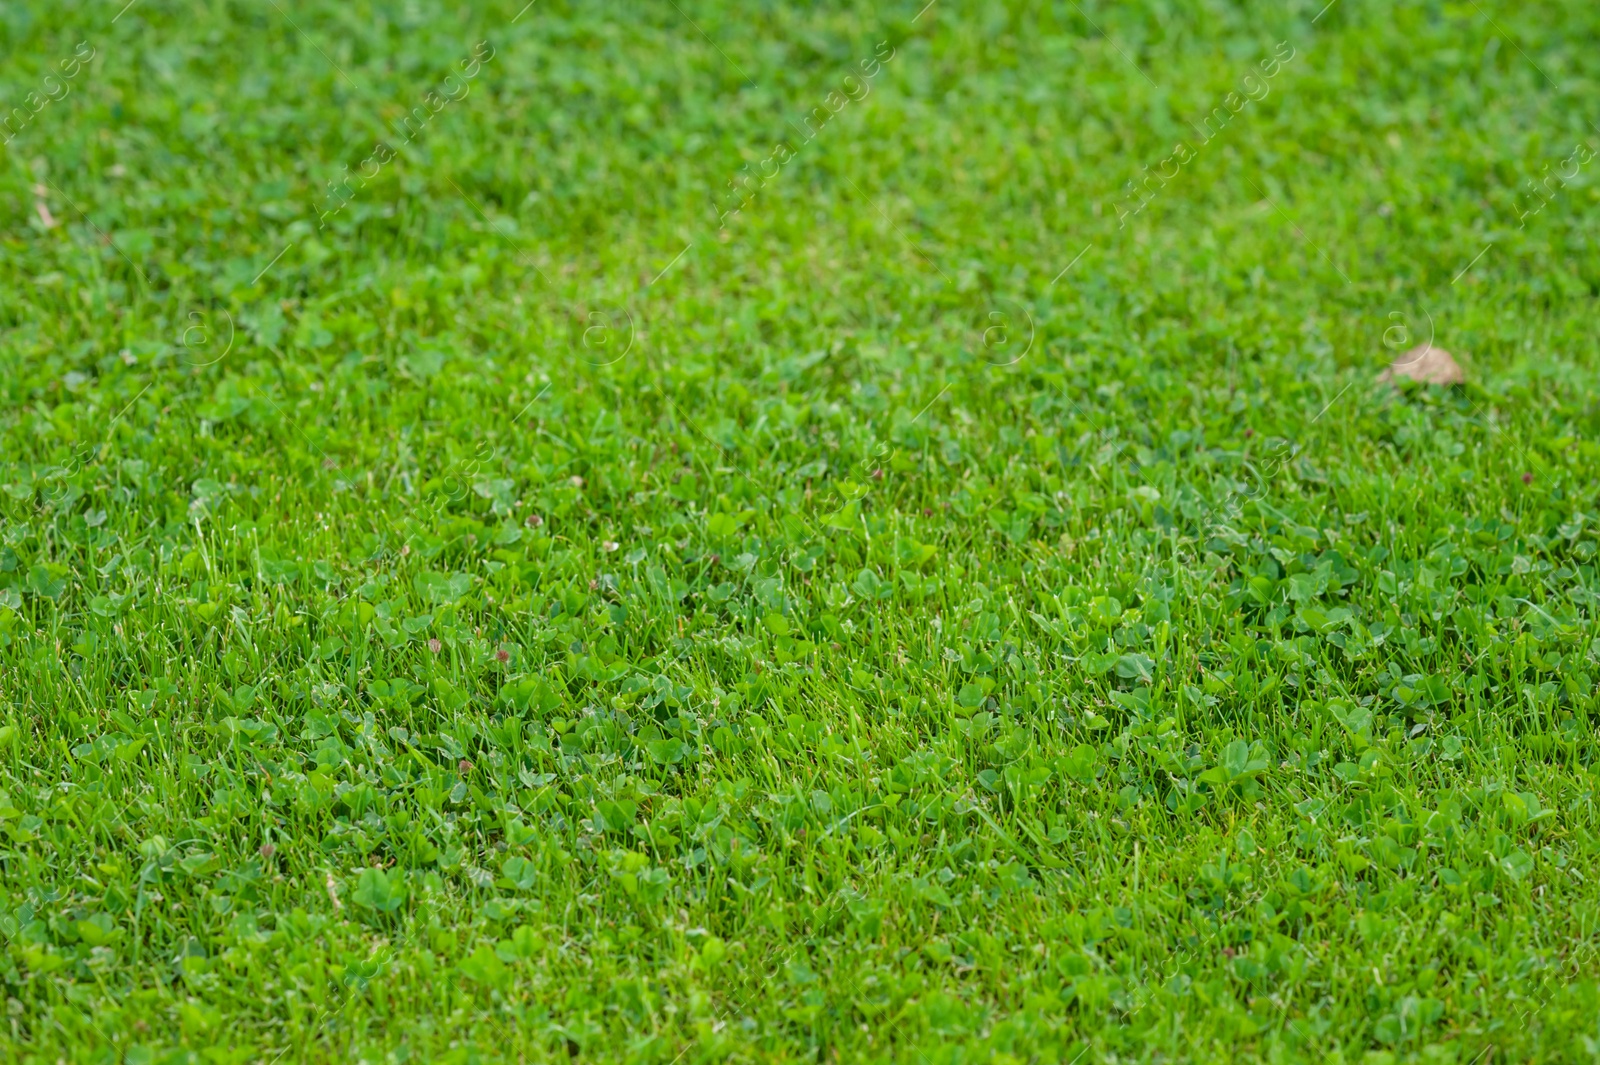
[[460, 602]]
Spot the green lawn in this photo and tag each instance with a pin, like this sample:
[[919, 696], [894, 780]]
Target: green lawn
[[694, 531]]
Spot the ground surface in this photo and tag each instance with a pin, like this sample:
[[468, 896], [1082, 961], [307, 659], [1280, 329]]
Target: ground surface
[[732, 532]]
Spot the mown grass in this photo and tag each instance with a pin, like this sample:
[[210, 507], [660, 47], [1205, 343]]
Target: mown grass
[[493, 583]]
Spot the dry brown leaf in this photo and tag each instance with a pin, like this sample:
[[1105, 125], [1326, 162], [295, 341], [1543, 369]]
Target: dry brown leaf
[[1427, 364]]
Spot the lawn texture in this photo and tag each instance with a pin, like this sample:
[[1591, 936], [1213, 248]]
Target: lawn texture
[[693, 531]]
